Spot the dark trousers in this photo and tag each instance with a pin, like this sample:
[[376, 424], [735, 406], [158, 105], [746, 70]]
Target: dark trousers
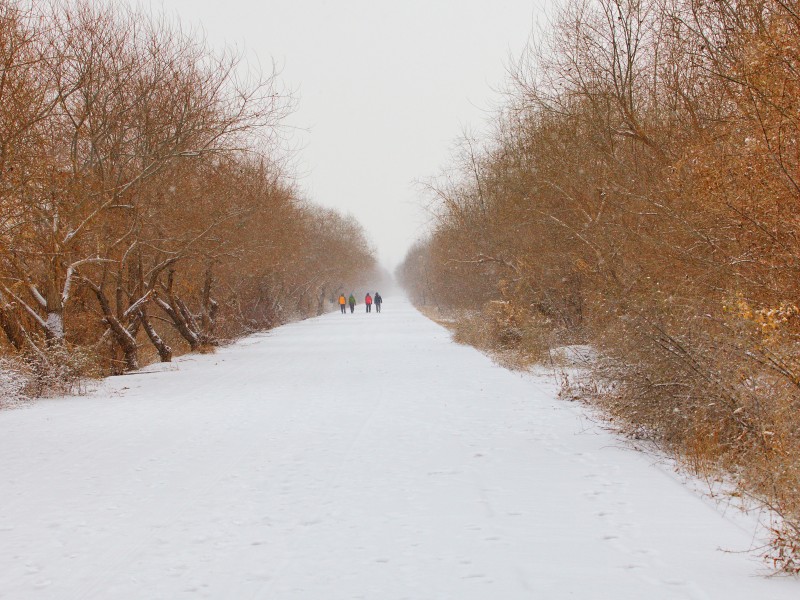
[[352, 307], [369, 307], [377, 307], [343, 306]]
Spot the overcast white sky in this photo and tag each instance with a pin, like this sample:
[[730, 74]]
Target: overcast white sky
[[384, 90]]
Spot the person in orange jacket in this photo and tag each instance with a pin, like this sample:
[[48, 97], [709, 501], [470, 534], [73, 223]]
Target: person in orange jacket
[[342, 303], [368, 302]]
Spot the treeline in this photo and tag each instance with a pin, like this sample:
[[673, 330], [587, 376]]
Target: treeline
[[640, 193], [144, 205]]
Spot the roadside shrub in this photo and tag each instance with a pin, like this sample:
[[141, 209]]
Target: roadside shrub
[[59, 370], [513, 336], [14, 382]]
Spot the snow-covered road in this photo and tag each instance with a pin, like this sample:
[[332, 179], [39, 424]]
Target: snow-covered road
[[358, 456]]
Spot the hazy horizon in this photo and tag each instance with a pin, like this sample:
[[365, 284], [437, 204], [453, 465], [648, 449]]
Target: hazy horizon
[[384, 91]]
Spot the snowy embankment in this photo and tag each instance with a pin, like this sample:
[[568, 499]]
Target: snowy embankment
[[356, 456]]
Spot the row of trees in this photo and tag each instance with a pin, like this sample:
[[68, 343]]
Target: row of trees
[[640, 193], [143, 204]]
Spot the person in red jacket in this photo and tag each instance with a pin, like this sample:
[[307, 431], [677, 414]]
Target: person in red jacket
[[368, 302]]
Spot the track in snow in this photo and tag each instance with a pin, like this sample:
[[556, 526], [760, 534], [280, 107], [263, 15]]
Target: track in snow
[[344, 457]]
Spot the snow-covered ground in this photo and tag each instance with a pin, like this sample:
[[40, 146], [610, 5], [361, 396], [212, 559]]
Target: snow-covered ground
[[358, 456]]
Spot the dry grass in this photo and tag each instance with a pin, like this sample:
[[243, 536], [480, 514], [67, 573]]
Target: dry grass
[[511, 337]]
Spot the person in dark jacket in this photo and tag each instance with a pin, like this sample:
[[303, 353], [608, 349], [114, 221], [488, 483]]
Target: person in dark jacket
[[352, 302], [377, 300]]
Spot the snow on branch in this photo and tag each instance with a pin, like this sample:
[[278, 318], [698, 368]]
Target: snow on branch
[[71, 271]]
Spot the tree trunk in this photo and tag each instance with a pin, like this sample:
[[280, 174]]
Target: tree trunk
[[54, 325], [13, 330], [321, 302], [122, 336], [179, 314], [179, 322], [164, 351]]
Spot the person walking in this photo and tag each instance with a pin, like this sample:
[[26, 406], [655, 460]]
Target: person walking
[[377, 300], [352, 301], [368, 302], [342, 303]]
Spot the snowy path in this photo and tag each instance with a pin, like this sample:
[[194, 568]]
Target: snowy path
[[358, 456]]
